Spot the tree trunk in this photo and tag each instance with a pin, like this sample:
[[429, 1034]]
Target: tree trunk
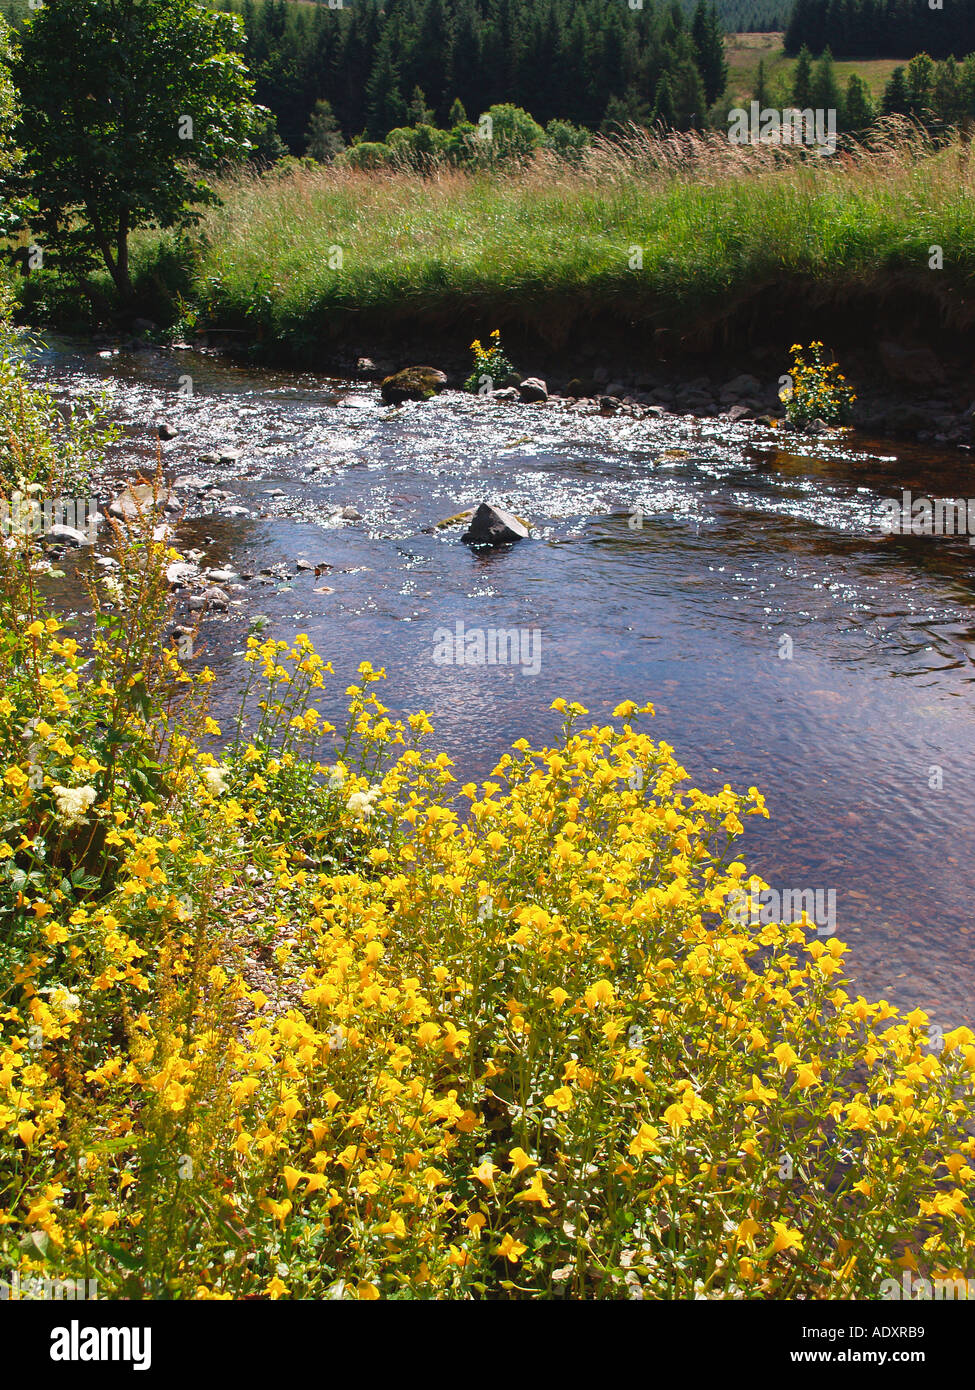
[[122, 282]]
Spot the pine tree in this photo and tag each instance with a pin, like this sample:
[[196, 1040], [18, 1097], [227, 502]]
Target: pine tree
[[802, 80], [895, 94], [385, 105], [690, 101], [761, 93], [825, 94], [858, 106], [417, 112], [663, 105], [324, 139], [709, 46]]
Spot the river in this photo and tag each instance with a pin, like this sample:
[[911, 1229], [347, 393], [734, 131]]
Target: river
[[669, 560]]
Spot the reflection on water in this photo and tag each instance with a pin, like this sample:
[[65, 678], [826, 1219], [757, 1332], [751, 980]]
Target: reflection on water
[[670, 560]]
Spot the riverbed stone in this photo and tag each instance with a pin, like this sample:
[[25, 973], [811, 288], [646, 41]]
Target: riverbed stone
[[532, 389], [137, 498], [166, 431], [412, 384], [916, 366], [492, 526], [180, 572], [66, 535]]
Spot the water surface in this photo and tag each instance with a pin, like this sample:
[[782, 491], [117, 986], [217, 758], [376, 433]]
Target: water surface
[[746, 538]]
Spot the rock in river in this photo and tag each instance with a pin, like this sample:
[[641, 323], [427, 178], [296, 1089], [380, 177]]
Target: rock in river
[[412, 384], [492, 526], [533, 388], [137, 499]]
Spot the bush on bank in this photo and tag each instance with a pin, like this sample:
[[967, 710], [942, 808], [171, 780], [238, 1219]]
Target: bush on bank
[[290, 1023]]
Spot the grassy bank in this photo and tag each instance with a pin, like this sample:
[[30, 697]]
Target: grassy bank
[[684, 233]]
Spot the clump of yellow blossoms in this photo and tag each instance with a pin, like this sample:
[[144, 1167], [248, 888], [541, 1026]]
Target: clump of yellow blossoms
[[816, 390], [495, 1039]]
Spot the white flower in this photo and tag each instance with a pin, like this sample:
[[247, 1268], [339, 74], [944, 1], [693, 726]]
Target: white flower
[[73, 802], [215, 779], [63, 1000], [360, 803], [336, 776]]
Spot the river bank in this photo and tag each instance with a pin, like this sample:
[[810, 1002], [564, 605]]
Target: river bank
[[667, 267]]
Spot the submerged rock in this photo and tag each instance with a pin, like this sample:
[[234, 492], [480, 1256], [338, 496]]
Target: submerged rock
[[492, 526], [412, 384]]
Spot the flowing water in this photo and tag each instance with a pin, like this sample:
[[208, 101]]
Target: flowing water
[[669, 560]]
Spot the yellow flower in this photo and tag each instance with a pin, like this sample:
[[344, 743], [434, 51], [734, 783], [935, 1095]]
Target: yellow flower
[[786, 1237], [519, 1160], [560, 1099], [510, 1248]]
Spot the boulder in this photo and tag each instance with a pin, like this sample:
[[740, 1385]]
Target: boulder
[[492, 526], [67, 535], [412, 384], [180, 573], [580, 386], [506, 393], [914, 366], [137, 499], [744, 385], [533, 388], [736, 413], [166, 430]]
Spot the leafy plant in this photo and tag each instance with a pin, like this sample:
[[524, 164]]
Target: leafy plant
[[491, 365], [816, 390]]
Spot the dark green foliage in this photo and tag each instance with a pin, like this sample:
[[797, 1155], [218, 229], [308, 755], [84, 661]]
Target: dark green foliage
[[122, 106], [882, 28], [406, 62]]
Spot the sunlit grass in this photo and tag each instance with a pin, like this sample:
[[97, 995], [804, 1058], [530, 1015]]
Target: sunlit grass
[[658, 229]]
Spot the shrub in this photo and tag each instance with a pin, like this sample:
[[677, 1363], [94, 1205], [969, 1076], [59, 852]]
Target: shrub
[[491, 366], [816, 390]]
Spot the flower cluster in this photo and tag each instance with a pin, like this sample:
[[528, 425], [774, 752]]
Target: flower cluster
[[816, 390], [491, 366], [511, 1042]]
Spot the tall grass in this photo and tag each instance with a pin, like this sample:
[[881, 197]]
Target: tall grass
[[664, 230]]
